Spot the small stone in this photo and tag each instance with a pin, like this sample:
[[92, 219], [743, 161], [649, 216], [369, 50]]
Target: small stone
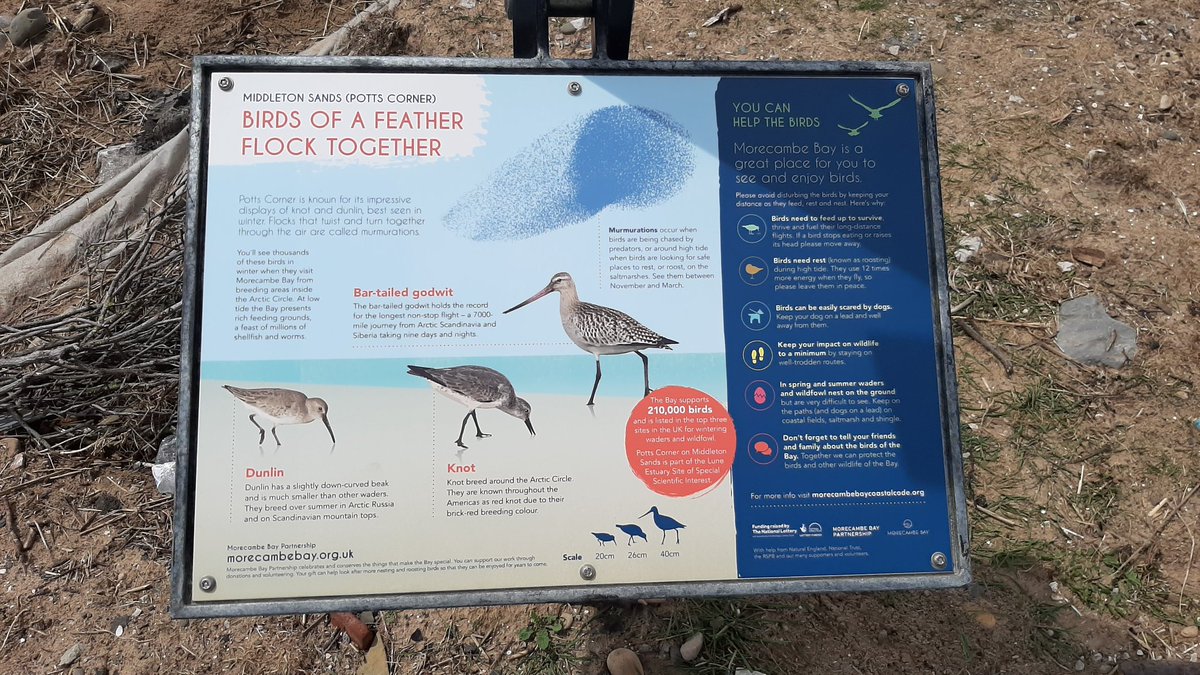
[[1066, 267], [986, 619], [967, 248], [111, 162], [10, 446], [18, 462], [467, 4], [5, 21], [1189, 632], [1165, 102], [1171, 135], [1013, 98], [78, 671], [71, 655], [623, 661], [1086, 333], [1080, 665], [26, 25], [691, 649], [109, 63], [573, 26], [106, 503], [894, 50], [568, 619], [1089, 256]]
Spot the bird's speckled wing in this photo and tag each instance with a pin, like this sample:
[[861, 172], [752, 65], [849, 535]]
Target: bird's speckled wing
[[476, 382], [269, 400], [608, 327]]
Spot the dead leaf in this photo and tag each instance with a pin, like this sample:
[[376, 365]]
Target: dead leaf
[[376, 663], [1087, 255]]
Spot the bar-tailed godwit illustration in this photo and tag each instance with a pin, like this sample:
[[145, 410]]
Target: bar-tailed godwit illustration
[[664, 523], [632, 531], [281, 406], [599, 330], [476, 387]]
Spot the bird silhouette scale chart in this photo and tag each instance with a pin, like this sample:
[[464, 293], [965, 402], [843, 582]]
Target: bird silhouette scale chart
[[476, 387], [664, 523], [604, 537], [599, 330], [281, 406], [632, 531]]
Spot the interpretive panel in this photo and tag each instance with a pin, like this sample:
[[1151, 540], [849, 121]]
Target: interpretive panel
[[494, 332]]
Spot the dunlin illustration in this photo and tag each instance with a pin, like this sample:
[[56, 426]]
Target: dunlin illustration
[[476, 387], [281, 406], [599, 330]]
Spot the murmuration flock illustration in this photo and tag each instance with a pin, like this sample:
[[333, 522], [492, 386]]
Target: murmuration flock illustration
[[620, 156]]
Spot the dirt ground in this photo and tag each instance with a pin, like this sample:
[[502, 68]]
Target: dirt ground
[[1068, 138]]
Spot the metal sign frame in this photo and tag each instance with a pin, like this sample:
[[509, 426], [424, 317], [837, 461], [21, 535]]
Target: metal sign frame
[[185, 605]]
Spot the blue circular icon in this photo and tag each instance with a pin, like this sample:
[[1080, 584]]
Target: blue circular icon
[[757, 355], [752, 228], [753, 270], [756, 315]]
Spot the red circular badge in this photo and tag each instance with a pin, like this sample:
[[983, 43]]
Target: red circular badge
[[680, 441]]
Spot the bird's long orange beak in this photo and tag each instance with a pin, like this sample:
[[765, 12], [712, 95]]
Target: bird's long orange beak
[[542, 293]]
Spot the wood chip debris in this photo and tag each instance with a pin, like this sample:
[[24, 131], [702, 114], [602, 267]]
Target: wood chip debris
[[722, 16]]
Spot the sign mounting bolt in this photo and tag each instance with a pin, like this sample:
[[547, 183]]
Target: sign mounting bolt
[[208, 584], [938, 560], [574, 89], [587, 572], [903, 90], [225, 83]]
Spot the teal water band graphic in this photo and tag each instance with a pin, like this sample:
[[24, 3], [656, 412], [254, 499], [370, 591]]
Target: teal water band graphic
[[566, 375]]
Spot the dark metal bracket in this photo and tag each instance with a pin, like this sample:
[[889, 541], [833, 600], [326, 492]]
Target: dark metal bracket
[[612, 23]]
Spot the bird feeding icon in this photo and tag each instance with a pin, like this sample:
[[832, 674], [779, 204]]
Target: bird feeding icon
[[752, 228]]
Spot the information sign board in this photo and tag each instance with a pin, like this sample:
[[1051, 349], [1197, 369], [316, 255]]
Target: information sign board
[[467, 332]]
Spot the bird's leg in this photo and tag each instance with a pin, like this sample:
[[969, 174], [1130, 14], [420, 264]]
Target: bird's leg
[[262, 433], [277, 443], [645, 371], [676, 536], [664, 541], [478, 432], [462, 429], [596, 384]]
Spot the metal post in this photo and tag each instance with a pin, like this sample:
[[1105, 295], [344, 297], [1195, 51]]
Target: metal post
[[612, 24]]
